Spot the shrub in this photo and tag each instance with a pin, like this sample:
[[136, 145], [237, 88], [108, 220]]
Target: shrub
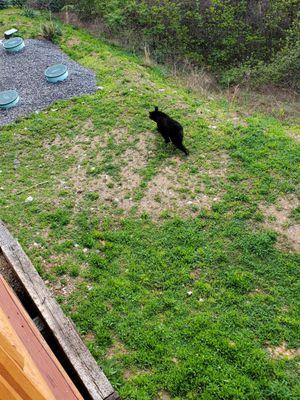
[[51, 31], [51, 5], [29, 12], [4, 4], [245, 39]]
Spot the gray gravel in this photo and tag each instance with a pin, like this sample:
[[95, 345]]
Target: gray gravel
[[24, 72]]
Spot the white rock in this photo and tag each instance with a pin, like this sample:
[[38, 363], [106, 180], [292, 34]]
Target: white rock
[[190, 293], [100, 87], [29, 199], [213, 127]]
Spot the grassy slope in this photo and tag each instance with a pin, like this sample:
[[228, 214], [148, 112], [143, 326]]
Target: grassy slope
[[180, 308]]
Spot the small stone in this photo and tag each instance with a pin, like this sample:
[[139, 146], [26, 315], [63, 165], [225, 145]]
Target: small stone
[[76, 245], [190, 293], [201, 300], [85, 250], [213, 127], [16, 163], [100, 87], [29, 199], [161, 90]]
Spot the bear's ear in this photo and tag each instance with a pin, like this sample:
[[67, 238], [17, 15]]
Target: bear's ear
[[156, 108]]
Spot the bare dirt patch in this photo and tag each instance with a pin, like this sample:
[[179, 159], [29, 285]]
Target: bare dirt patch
[[163, 395], [283, 352], [132, 373], [278, 219], [119, 192], [73, 42], [195, 274], [117, 349], [64, 286], [175, 190], [89, 337]]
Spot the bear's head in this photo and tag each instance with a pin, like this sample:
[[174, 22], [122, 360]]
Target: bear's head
[[154, 114]]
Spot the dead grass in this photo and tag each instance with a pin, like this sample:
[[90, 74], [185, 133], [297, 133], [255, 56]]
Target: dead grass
[[172, 189], [129, 374], [278, 219], [75, 41], [163, 395], [283, 352], [116, 350]]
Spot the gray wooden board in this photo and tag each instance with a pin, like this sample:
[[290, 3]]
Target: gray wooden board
[[90, 374]]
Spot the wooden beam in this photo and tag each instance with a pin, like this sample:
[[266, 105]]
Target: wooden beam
[[7, 392], [27, 365], [63, 329], [55, 377]]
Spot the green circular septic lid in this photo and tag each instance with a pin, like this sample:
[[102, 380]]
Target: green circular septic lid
[[13, 42], [7, 97], [55, 70]]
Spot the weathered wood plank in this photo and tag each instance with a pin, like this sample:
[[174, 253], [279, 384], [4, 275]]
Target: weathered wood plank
[[90, 374]]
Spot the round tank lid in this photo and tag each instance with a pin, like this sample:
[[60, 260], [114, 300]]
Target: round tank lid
[[55, 71], [13, 42], [7, 97]]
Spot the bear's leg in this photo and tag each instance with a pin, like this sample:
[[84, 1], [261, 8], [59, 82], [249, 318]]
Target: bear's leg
[[177, 141]]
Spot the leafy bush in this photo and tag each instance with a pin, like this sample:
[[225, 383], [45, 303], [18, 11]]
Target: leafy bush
[[4, 4], [51, 31], [246, 39], [29, 12], [283, 68], [51, 5]]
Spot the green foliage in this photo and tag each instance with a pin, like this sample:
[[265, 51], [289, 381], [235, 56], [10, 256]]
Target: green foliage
[[5, 4], [50, 5], [224, 35], [51, 31], [186, 305], [29, 12], [282, 68]]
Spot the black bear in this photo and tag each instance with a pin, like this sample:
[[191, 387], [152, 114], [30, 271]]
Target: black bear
[[169, 129]]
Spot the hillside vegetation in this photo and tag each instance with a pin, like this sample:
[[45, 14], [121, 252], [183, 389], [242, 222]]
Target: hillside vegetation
[[181, 274], [241, 42]]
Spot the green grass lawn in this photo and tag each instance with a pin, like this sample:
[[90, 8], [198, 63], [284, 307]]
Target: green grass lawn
[[181, 275]]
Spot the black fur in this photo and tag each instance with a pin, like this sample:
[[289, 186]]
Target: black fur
[[169, 129]]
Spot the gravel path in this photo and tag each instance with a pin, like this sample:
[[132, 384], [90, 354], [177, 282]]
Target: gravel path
[[24, 72]]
